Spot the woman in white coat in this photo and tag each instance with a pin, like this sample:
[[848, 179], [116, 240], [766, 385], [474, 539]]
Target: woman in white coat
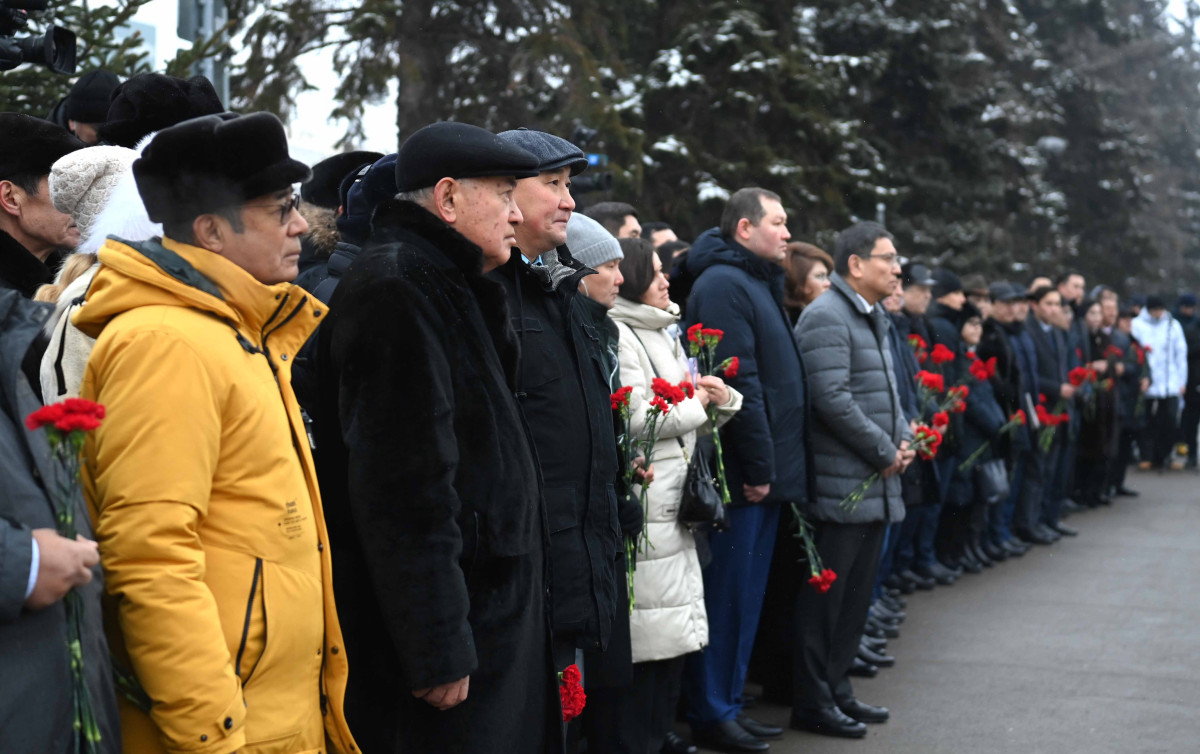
[[668, 619]]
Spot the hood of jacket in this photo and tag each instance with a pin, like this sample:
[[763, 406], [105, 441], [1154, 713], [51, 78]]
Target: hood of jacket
[[712, 248], [19, 269], [643, 316], [169, 273]]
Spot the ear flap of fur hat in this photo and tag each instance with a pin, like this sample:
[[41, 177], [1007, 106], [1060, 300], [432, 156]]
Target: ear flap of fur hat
[[81, 182]]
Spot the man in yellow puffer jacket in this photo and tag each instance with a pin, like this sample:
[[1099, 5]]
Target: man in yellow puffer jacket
[[201, 480]]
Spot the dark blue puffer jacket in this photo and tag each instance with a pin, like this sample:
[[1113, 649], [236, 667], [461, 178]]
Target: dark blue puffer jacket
[[742, 294]]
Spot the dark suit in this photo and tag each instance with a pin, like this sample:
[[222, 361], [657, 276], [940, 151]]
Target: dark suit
[[1051, 349]]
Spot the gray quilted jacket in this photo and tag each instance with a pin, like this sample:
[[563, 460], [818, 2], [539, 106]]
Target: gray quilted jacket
[[858, 423]]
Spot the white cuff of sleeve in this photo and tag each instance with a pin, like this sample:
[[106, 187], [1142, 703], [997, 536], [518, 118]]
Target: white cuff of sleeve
[[34, 561]]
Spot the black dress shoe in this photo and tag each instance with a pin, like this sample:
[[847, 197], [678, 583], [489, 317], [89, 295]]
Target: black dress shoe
[[1046, 531], [828, 722], [1014, 548], [864, 713], [674, 744], [1035, 537], [1070, 506], [727, 735], [1065, 530], [878, 659], [937, 572], [759, 730], [917, 581], [875, 645], [980, 556], [862, 669], [895, 604], [1126, 492], [883, 611], [888, 630], [896, 584], [995, 552]]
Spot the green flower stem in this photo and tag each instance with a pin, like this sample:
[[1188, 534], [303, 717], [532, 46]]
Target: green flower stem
[[971, 459], [716, 435]]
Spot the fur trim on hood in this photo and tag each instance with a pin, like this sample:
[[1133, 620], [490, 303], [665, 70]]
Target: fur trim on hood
[[323, 234]]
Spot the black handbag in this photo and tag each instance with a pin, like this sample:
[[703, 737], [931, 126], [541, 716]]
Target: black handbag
[[701, 505], [991, 481]]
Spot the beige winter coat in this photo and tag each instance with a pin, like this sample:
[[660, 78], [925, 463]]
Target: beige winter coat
[[669, 618]]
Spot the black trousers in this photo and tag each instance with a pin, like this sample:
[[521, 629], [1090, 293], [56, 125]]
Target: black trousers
[[637, 718], [829, 627], [1190, 424], [1118, 468], [1161, 429]]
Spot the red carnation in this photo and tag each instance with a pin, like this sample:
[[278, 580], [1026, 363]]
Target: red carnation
[[693, 333], [570, 693], [1080, 375], [931, 381], [823, 581], [941, 419], [620, 399], [1112, 352], [941, 354], [1018, 417], [730, 367], [916, 341], [70, 415], [687, 388], [1041, 397], [712, 332]]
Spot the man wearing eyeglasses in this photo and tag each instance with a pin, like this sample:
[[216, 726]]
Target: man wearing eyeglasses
[[858, 429], [200, 480]]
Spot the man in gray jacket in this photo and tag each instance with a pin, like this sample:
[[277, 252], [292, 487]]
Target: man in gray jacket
[[858, 429]]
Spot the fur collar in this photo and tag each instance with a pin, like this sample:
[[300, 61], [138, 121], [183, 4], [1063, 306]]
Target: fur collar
[[322, 230]]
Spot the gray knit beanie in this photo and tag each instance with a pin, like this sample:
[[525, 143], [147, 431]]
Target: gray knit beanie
[[590, 243], [81, 182]]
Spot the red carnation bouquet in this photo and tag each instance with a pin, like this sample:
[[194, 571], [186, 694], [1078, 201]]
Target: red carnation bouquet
[[702, 346], [820, 578], [570, 693], [1049, 422], [66, 424], [941, 354], [981, 369], [1085, 378], [627, 447], [1014, 421], [927, 442], [920, 348]]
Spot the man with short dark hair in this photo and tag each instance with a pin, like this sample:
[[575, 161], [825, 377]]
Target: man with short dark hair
[[618, 218], [658, 233], [30, 226], [1037, 521], [200, 480], [739, 289], [859, 429]]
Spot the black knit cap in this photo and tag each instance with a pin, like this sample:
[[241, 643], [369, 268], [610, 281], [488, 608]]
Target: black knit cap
[[328, 174], [217, 161], [150, 102], [89, 98], [29, 146], [945, 282], [458, 150]]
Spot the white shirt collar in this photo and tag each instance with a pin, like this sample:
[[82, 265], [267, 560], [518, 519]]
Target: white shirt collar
[[866, 304]]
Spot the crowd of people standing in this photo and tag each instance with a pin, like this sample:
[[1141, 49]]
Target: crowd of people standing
[[425, 383]]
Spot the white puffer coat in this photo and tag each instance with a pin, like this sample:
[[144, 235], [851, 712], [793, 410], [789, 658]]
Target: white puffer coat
[[668, 619]]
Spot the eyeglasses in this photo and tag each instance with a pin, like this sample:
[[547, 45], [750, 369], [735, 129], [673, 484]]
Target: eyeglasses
[[285, 209], [888, 259]]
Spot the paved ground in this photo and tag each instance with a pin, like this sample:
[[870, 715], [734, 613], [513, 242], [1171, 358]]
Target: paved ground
[[1089, 646]]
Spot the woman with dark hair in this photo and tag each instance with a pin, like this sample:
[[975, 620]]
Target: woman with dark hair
[[669, 620], [808, 269], [669, 252], [1099, 431]]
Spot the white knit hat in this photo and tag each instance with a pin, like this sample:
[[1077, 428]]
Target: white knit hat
[[80, 182]]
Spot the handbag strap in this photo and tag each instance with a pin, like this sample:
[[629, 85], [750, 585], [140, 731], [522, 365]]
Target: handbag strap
[[649, 358]]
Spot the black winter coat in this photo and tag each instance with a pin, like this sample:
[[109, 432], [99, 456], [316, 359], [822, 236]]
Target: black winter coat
[[742, 294], [1051, 348], [1007, 385], [562, 385], [35, 695], [431, 497]]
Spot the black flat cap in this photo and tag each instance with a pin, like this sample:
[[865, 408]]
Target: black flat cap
[[1003, 290], [553, 152], [945, 282], [89, 98], [915, 273], [458, 150], [150, 102], [328, 174], [29, 146], [217, 161]]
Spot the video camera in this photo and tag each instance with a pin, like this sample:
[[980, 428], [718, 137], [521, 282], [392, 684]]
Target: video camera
[[56, 50], [593, 181]]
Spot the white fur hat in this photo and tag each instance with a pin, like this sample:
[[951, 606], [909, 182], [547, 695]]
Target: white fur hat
[[81, 182]]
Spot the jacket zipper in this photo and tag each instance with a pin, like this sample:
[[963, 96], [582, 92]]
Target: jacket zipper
[[237, 668]]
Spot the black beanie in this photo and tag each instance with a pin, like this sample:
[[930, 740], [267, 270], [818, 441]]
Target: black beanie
[[217, 161], [150, 102], [328, 174], [30, 146], [945, 282], [90, 97]]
